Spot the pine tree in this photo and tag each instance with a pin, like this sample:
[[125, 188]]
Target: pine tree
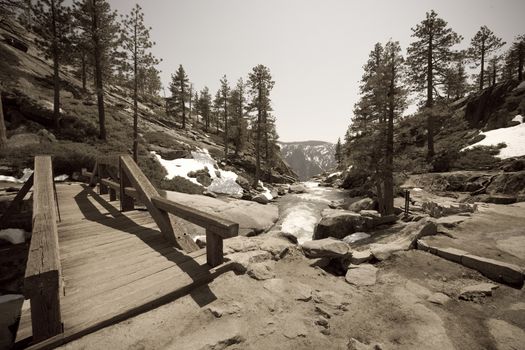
[[223, 102], [338, 152], [455, 84], [3, 134], [260, 84], [481, 46], [515, 58], [203, 106], [238, 111], [493, 70], [190, 99], [136, 42], [96, 20], [428, 58], [53, 24], [179, 91]]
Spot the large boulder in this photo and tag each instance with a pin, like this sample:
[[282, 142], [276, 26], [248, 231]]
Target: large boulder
[[338, 224], [297, 188], [363, 204], [326, 248], [361, 275]]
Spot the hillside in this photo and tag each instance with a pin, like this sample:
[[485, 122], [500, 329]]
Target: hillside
[[309, 158], [27, 103]]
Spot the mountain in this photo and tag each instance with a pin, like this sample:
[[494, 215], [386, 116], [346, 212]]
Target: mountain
[[309, 158]]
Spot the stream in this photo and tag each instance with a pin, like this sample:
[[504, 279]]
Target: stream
[[299, 213]]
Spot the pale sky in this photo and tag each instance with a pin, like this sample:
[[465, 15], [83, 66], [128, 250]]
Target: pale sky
[[314, 49]]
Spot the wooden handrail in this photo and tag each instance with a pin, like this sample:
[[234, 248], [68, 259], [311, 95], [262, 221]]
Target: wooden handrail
[[42, 283], [222, 227]]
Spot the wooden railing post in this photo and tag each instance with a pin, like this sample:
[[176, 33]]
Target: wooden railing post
[[112, 194], [102, 188], [126, 202], [214, 249], [43, 282]]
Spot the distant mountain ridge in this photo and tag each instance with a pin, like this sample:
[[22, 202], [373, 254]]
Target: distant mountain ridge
[[308, 158]]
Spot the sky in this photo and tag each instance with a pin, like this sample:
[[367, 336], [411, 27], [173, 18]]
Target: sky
[[315, 49]]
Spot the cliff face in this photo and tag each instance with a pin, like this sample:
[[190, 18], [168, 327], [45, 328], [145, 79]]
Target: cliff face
[[309, 158]]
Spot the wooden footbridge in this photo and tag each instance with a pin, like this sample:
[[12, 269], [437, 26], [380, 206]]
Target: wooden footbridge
[[95, 260]]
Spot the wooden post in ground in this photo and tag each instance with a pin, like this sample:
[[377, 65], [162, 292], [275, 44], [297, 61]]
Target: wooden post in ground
[[214, 249], [126, 202], [407, 202], [102, 188]]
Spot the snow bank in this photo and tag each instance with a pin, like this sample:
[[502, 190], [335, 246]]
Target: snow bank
[[27, 173], [513, 137], [518, 118], [13, 235], [337, 173], [225, 183]]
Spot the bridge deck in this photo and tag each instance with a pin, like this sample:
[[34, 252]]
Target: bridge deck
[[115, 265]]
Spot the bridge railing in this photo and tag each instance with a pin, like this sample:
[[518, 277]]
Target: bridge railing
[[131, 184], [43, 281]]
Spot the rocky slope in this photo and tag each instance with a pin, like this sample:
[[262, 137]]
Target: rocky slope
[[309, 158], [27, 100]]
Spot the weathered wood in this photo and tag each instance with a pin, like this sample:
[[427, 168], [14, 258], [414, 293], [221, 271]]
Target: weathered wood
[[214, 249], [146, 191], [15, 204], [111, 184], [112, 194], [42, 283], [92, 179], [219, 226], [126, 202], [102, 187]]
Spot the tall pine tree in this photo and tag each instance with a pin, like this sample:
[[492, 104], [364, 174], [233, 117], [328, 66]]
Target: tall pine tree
[[260, 84], [136, 42], [53, 23], [482, 45], [238, 112], [224, 100], [203, 107], [179, 88], [428, 58]]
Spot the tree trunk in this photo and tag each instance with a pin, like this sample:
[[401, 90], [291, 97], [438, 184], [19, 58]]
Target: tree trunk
[[56, 72], [388, 178], [258, 140], [83, 73], [135, 96], [225, 128], [3, 135], [521, 58], [98, 71], [482, 73], [430, 103], [265, 122], [182, 101], [494, 74]]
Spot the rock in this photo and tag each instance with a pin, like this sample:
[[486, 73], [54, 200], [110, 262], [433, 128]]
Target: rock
[[438, 298], [274, 193], [361, 275], [450, 254], [436, 210], [204, 179], [323, 322], [500, 199], [290, 237], [451, 221], [383, 251], [495, 270], [326, 248], [476, 291], [261, 199], [22, 140], [261, 271], [370, 213], [338, 223], [355, 344], [244, 260], [13, 235], [278, 247], [297, 189], [363, 204], [201, 241], [359, 257], [506, 335], [209, 194], [354, 237], [243, 182], [46, 136], [281, 191]]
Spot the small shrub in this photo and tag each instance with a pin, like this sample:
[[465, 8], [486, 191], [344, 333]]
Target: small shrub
[[478, 158]]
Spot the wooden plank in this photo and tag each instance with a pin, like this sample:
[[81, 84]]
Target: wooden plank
[[102, 188], [220, 226], [42, 283], [14, 206], [111, 184], [77, 331], [146, 191]]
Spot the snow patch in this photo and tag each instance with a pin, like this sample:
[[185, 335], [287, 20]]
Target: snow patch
[[354, 237], [513, 137], [225, 183], [266, 192], [26, 174], [13, 235], [518, 118]]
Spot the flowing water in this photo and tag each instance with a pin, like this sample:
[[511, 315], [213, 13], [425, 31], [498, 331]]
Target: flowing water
[[299, 213]]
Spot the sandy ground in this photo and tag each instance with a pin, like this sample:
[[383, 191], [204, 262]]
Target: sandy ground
[[304, 307]]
